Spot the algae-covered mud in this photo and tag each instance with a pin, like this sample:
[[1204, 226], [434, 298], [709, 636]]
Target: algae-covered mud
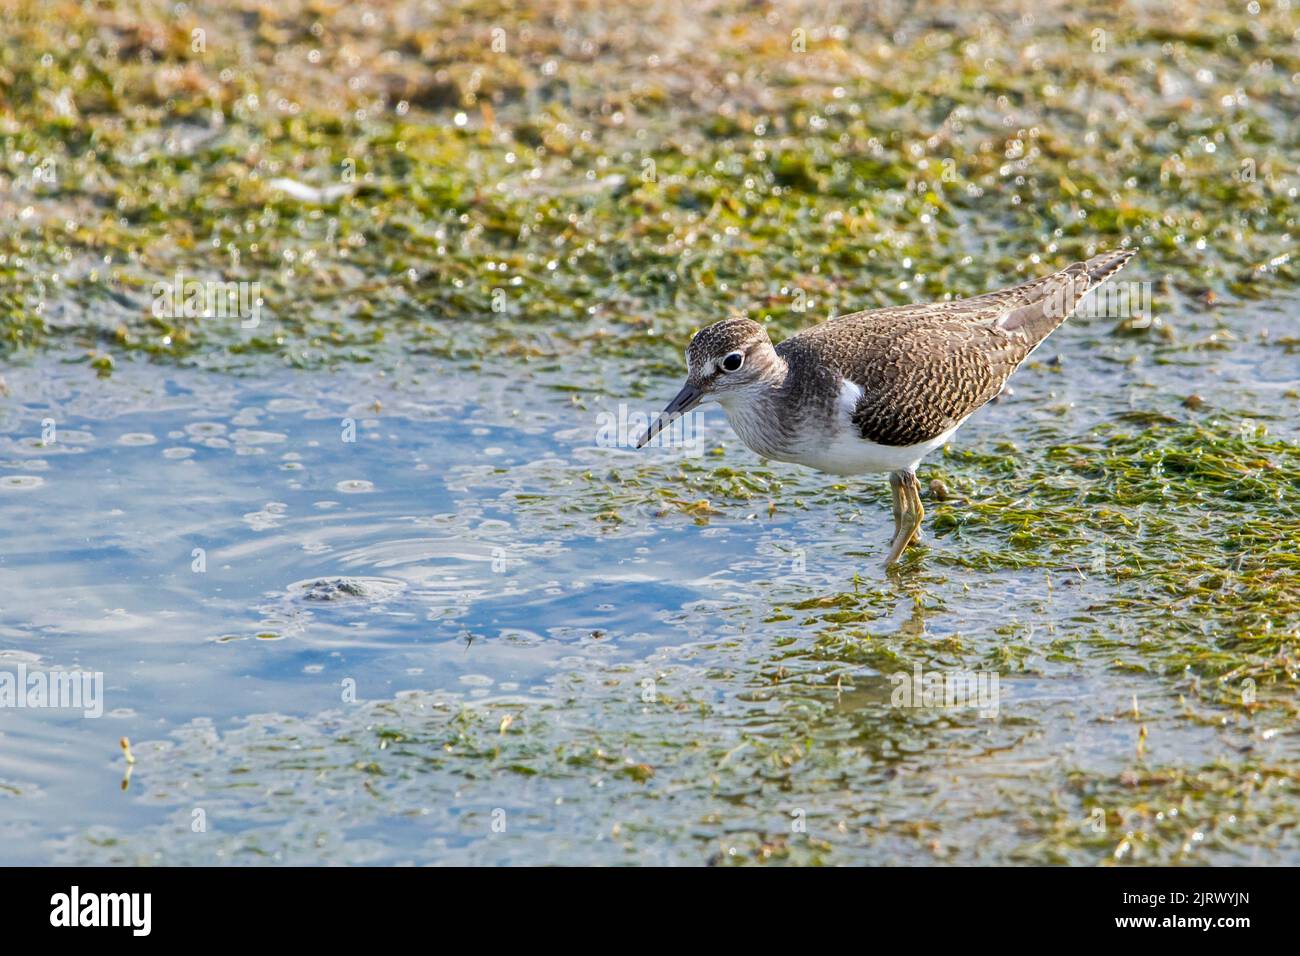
[[326, 331]]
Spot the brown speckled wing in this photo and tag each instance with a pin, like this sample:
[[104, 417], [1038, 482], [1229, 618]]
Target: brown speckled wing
[[924, 369]]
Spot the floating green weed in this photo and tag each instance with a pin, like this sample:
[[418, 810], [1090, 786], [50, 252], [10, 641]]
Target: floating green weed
[[513, 195]]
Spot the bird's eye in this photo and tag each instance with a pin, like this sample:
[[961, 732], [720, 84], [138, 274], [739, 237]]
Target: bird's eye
[[733, 361]]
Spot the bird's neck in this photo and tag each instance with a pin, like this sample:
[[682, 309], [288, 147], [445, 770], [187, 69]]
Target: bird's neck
[[758, 414]]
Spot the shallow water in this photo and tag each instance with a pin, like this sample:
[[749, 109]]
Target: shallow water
[[467, 636]]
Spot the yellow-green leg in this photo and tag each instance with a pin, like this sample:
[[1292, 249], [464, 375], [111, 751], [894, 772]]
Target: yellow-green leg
[[908, 512]]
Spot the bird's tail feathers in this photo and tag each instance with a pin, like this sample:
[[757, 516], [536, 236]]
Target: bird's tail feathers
[[1059, 295]]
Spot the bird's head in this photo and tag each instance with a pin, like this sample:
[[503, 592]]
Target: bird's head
[[725, 362]]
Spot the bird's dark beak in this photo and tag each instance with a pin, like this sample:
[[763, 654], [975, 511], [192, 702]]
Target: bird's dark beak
[[686, 399]]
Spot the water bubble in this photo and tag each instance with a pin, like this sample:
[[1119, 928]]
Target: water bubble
[[246, 436], [205, 429]]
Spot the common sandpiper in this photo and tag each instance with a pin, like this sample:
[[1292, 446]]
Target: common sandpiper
[[877, 391]]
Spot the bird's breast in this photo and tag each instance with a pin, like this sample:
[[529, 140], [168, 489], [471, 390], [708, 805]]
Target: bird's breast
[[821, 434]]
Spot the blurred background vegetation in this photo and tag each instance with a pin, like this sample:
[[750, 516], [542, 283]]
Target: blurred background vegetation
[[527, 179]]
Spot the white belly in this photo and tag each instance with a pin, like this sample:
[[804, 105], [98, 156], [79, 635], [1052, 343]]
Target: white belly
[[848, 454]]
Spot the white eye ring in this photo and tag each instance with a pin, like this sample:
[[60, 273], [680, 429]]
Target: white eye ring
[[732, 362]]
